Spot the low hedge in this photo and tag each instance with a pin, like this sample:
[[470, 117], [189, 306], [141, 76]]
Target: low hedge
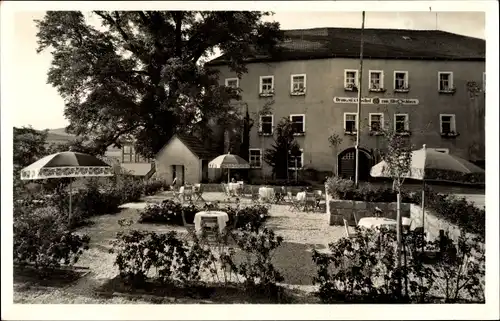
[[456, 211], [170, 212]]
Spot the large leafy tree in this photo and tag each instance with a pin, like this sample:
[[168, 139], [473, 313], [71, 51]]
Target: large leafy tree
[[29, 145], [142, 73]]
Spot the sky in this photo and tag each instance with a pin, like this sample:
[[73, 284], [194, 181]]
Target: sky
[[39, 104]]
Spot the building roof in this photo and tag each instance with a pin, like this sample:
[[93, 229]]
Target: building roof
[[197, 147], [319, 43]]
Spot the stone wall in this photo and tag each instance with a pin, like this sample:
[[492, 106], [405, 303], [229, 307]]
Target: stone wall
[[337, 210]]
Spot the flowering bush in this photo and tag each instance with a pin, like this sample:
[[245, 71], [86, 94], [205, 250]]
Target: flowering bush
[[256, 267], [250, 218], [168, 212], [165, 257], [363, 269], [41, 239], [172, 259]]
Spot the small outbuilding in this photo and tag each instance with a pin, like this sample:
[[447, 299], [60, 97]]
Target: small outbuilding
[[185, 158]]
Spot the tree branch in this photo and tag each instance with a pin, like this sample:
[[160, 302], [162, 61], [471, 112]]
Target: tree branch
[[115, 23], [178, 33]]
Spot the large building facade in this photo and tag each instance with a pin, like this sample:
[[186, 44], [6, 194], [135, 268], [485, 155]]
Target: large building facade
[[429, 86]]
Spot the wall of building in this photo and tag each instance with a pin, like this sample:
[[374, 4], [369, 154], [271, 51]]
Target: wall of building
[[325, 80], [176, 153]]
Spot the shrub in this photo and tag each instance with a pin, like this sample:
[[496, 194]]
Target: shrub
[[152, 187], [256, 266], [168, 212], [250, 218], [363, 269], [41, 239], [137, 253], [130, 190], [141, 255]]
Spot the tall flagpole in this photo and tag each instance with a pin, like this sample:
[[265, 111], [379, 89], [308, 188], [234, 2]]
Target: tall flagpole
[[358, 116]]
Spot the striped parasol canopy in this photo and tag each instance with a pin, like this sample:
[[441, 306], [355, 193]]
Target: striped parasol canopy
[[228, 161], [66, 164], [431, 165]]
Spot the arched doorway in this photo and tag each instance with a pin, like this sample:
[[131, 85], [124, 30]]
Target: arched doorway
[[347, 164]]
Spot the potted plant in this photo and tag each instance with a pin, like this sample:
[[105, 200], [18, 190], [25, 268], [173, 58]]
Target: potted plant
[[403, 89], [449, 90], [450, 134], [298, 91], [351, 87]]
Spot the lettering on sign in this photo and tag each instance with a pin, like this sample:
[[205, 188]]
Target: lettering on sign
[[376, 101]]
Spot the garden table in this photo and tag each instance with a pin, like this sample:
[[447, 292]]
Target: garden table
[[374, 222], [235, 188], [301, 196], [222, 219], [266, 193]]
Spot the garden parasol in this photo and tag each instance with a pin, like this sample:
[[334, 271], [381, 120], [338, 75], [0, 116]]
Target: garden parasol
[[431, 165], [66, 164], [228, 161]]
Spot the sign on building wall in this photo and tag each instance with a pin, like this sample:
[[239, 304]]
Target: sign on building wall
[[375, 101]]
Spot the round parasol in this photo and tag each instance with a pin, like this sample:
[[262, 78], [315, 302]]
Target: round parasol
[[228, 161], [431, 165], [66, 164]]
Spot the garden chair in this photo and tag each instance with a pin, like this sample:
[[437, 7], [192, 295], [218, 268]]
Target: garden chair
[[225, 190], [355, 218], [188, 193], [255, 195], [209, 228], [319, 197], [294, 203], [310, 202], [406, 227], [176, 194], [279, 196], [191, 232], [198, 193], [348, 234]]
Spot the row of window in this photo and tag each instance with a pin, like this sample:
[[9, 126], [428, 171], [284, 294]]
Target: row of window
[[294, 161], [375, 80], [376, 122]]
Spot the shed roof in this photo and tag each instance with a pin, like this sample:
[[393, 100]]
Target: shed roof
[[197, 147], [319, 43]]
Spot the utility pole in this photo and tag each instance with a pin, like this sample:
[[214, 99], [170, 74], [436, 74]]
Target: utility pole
[[358, 115]]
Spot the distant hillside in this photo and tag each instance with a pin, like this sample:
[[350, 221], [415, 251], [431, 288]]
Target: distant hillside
[[59, 131], [59, 136]]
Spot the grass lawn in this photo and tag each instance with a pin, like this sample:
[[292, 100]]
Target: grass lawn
[[301, 231]]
